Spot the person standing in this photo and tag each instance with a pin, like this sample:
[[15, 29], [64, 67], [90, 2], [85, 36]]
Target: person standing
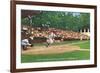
[[50, 38]]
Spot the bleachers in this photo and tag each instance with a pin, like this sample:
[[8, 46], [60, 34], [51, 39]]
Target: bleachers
[[40, 35]]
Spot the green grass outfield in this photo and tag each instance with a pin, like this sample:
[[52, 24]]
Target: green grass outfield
[[75, 55]]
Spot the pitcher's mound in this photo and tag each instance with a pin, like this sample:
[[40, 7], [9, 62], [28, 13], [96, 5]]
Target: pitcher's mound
[[51, 49]]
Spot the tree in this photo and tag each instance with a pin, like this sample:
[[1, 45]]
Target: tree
[[60, 20]]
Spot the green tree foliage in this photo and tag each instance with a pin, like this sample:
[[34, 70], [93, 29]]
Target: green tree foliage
[[62, 20]]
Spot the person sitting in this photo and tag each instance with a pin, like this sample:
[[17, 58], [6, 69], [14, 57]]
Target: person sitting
[[25, 43]]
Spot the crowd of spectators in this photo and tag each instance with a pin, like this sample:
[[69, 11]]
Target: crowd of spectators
[[60, 34]]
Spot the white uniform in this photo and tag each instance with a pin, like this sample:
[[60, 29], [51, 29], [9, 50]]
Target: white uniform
[[25, 42], [51, 38]]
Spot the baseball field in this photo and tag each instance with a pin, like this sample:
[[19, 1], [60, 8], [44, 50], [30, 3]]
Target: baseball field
[[58, 51]]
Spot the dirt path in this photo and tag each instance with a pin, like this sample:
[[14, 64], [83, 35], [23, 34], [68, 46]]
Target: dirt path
[[51, 49], [84, 49]]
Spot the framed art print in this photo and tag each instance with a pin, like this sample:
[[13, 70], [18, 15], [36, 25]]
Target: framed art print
[[52, 36]]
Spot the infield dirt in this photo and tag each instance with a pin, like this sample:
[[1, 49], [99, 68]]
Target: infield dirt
[[55, 49]]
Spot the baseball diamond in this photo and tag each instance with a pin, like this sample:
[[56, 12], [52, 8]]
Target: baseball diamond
[[54, 36]]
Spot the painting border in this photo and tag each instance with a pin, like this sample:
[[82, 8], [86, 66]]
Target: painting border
[[13, 35]]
